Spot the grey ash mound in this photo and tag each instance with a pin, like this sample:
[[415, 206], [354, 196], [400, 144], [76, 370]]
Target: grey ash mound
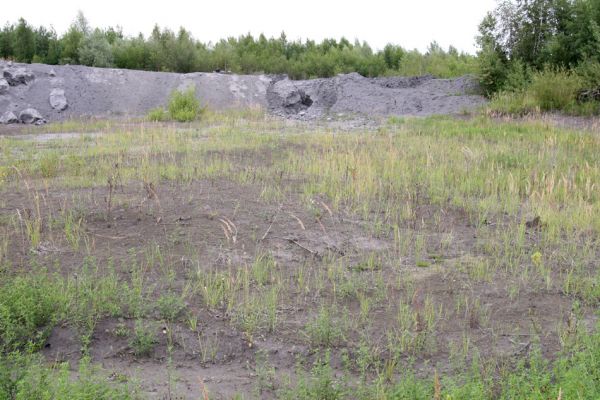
[[353, 93], [37, 93]]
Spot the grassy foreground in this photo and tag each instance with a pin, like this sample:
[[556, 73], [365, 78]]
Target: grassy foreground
[[431, 258]]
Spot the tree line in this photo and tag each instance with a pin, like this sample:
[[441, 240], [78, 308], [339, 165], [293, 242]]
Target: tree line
[[166, 50], [523, 37]]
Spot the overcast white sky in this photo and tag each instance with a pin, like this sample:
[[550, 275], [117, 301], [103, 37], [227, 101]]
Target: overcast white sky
[[410, 23]]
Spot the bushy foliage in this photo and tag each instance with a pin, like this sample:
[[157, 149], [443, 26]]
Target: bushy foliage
[[95, 50], [512, 103], [28, 308], [554, 89], [548, 90], [589, 72], [529, 47], [492, 70], [184, 106]]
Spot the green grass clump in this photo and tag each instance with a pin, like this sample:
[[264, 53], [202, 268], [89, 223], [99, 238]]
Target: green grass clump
[[170, 307], [143, 340], [321, 383], [27, 377], [323, 330], [48, 165], [513, 103], [157, 115], [28, 309]]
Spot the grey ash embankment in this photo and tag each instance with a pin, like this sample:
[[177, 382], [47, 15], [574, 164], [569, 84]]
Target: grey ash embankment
[[63, 92], [353, 93]]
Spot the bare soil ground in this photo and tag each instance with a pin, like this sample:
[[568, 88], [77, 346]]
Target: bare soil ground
[[190, 217], [424, 291]]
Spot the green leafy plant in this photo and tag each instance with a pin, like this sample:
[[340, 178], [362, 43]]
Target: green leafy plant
[[323, 330], [184, 106], [143, 340], [170, 307], [29, 307]]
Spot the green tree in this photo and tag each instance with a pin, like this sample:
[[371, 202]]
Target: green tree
[[6, 41], [24, 42], [95, 50], [71, 41]]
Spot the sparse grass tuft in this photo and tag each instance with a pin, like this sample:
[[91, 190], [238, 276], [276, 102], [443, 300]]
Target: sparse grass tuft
[[324, 330], [309, 237], [157, 115]]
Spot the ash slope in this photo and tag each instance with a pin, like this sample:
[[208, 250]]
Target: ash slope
[[106, 92]]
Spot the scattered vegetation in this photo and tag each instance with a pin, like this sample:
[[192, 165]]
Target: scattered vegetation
[[27, 377], [374, 258]]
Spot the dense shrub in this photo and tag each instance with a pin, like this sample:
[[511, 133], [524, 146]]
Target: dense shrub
[[589, 72], [549, 90], [554, 89], [542, 50], [184, 106]]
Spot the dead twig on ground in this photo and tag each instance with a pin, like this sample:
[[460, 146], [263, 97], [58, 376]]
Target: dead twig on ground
[[294, 241], [271, 225], [299, 221]]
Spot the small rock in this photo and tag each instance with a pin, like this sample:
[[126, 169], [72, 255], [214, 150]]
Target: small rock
[[3, 86], [31, 116], [52, 73], [9, 117], [18, 76], [58, 100]]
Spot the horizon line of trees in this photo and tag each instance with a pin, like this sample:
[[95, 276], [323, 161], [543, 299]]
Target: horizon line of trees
[[165, 50], [523, 37]]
